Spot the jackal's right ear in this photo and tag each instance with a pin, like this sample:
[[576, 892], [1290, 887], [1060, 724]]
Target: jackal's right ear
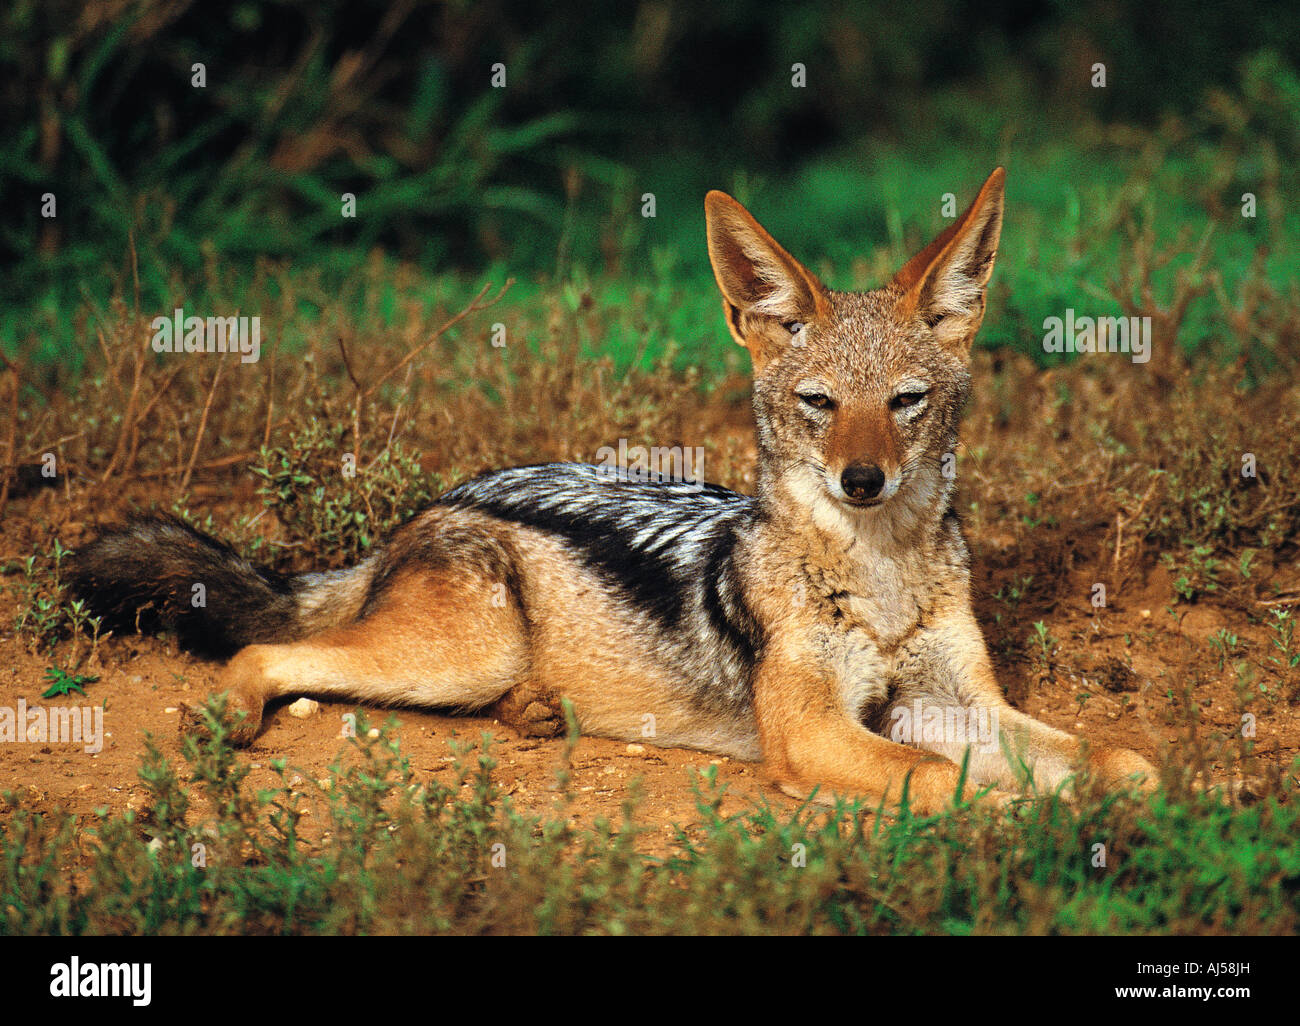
[[945, 283], [764, 289]]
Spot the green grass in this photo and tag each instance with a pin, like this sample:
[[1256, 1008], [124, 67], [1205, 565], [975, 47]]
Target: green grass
[[1098, 213], [1090, 207], [406, 853]]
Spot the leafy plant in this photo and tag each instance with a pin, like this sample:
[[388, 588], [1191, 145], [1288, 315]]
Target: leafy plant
[[1044, 646], [1287, 659], [335, 502], [46, 613], [1225, 642], [63, 683], [375, 847], [1196, 573]]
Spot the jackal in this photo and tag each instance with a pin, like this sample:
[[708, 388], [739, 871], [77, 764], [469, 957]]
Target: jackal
[[795, 627]]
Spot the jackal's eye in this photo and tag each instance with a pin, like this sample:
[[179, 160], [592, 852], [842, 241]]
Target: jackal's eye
[[906, 399], [793, 327], [817, 400]]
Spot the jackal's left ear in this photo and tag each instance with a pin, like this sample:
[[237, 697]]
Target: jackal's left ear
[[761, 284], [945, 283]]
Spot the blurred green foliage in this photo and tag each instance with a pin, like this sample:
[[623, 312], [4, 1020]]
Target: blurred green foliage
[[169, 190]]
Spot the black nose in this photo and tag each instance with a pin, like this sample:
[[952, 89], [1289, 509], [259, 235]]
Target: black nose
[[862, 482]]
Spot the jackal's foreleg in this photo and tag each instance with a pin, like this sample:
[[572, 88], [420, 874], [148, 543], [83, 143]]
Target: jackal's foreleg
[[964, 714], [809, 741]]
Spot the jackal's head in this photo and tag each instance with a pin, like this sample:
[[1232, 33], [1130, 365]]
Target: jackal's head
[[856, 394]]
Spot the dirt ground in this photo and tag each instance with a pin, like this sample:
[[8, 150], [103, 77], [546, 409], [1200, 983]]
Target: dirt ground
[[145, 681], [1117, 676]]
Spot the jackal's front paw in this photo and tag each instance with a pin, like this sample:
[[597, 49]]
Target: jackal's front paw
[[1120, 767], [999, 800]]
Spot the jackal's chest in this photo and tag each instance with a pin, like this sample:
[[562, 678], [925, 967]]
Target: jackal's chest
[[860, 669], [863, 644]]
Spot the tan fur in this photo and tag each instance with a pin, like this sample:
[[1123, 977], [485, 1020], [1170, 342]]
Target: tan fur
[[862, 434], [585, 647], [446, 641], [392, 656], [903, 602], [853, 569]]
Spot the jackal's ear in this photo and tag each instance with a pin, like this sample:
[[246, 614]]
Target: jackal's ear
[[945, 283], [764, 289]]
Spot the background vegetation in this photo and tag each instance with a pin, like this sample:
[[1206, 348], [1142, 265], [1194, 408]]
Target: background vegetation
[[377, 332], [179, 194]]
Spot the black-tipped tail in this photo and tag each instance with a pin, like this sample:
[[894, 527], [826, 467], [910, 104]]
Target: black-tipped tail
[[158, 572]]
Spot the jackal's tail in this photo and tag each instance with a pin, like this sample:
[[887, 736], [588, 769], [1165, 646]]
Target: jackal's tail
[[158, 572]]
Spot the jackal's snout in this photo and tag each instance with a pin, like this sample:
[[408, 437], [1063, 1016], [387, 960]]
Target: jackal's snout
[[862, 451], [862, 482], [863, 485]]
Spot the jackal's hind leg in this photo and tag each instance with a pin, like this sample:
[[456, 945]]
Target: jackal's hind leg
[[531, 710], [433, 640]]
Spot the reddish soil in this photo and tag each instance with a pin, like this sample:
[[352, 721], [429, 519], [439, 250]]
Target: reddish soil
[[1132, 659], [145, 681]]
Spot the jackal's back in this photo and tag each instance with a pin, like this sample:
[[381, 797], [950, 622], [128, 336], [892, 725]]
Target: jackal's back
[[662, 551]]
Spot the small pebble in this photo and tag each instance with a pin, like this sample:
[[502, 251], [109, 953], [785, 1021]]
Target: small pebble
[[636, 749], [304, 708], [372, 733]]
